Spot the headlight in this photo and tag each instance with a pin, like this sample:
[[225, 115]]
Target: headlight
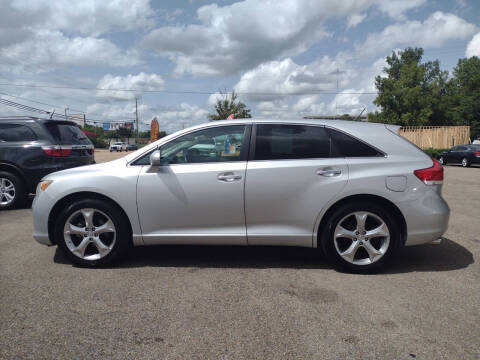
[[44, 184]]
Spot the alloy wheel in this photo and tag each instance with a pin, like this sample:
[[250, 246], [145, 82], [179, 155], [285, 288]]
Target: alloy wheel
[[464, 162], [361, 238], [89, 234], [7, 192], [441, 160]]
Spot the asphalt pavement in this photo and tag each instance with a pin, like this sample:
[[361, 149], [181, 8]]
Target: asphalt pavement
[[181, 302]]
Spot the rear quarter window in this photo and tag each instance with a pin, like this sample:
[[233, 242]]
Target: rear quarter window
[[344, 145], [66, 134], [16, 133]]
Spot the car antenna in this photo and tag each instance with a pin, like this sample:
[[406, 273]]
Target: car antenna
[[359, 115]]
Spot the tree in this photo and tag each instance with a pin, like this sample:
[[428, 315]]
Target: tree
[[144, 134], [226, 106], [412, 93], [124, 132], [463, 105]]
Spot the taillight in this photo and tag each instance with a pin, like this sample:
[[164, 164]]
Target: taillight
[[477, 153], [432, 175], [91, 151], [57, 151]]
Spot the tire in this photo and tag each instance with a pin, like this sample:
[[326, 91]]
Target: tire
[[111, 150], [12, 191], [442, 161], [465, 162], [114, 245], [364, 258]]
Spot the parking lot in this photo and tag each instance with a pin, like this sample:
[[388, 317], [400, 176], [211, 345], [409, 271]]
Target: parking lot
[[242, 303]]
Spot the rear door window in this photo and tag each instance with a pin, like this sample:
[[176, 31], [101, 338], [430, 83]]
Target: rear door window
[[279, 141], [344, 145], [66, 134], [16, 132]]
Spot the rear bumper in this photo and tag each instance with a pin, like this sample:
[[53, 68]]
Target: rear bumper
[[426, 218]]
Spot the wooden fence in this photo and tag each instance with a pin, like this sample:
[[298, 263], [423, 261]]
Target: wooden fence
[[437, 137]]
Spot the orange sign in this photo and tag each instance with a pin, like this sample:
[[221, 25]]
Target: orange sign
[[154, 130]]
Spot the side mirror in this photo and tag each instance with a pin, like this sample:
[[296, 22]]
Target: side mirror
[[155, 158]]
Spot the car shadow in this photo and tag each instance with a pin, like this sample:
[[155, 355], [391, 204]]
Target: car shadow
[[444, 257]]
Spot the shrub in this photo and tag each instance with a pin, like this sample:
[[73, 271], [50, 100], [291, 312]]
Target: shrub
[[434, 153], [98, 143]]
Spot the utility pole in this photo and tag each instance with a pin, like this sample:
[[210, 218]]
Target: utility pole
[[66, 118], [136, 119], [336, 94], [84, 121]]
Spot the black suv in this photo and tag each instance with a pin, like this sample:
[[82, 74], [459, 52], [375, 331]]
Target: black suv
[[31, 148], [461, 154]]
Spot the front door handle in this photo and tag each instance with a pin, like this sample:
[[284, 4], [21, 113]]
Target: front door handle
[[228, 176], [329, 172]]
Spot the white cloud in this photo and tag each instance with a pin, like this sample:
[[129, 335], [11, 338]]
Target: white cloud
[[140, 83], [170, 118], [310, 82], [237, 37], [354, 20], [47, 49], [88, 17], [182, 116], [473, 47], [213, 98], [286, 77], [396, 8], [43, 35], [437, 29]]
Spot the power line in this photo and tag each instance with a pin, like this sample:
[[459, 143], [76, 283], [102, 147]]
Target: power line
[[56, 106], [188, 91], [28, 108]]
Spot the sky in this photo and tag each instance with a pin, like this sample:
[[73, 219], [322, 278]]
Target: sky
[[285, 58]]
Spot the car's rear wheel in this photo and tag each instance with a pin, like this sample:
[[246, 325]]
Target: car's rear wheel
[[92, 232], [360, 237], [12, 191], [465, 162]]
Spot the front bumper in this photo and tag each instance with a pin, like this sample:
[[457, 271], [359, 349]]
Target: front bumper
[[41, 207]]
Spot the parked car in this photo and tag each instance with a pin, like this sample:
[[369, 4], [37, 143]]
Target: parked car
[[31, 148], [461, 154], [118, 146], [131, 147], [358, 191]]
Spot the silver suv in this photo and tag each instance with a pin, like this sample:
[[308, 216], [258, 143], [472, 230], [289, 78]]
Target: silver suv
[[357, 191]]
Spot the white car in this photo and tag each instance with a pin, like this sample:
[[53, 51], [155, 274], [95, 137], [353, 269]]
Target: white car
[[118, 146]]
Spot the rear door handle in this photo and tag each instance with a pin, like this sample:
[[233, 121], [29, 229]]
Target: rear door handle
[[329, 172], [228, 177]]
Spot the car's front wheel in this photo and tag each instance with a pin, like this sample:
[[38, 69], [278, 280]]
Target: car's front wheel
[[360, 237], [442, 161], [92, 232]]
